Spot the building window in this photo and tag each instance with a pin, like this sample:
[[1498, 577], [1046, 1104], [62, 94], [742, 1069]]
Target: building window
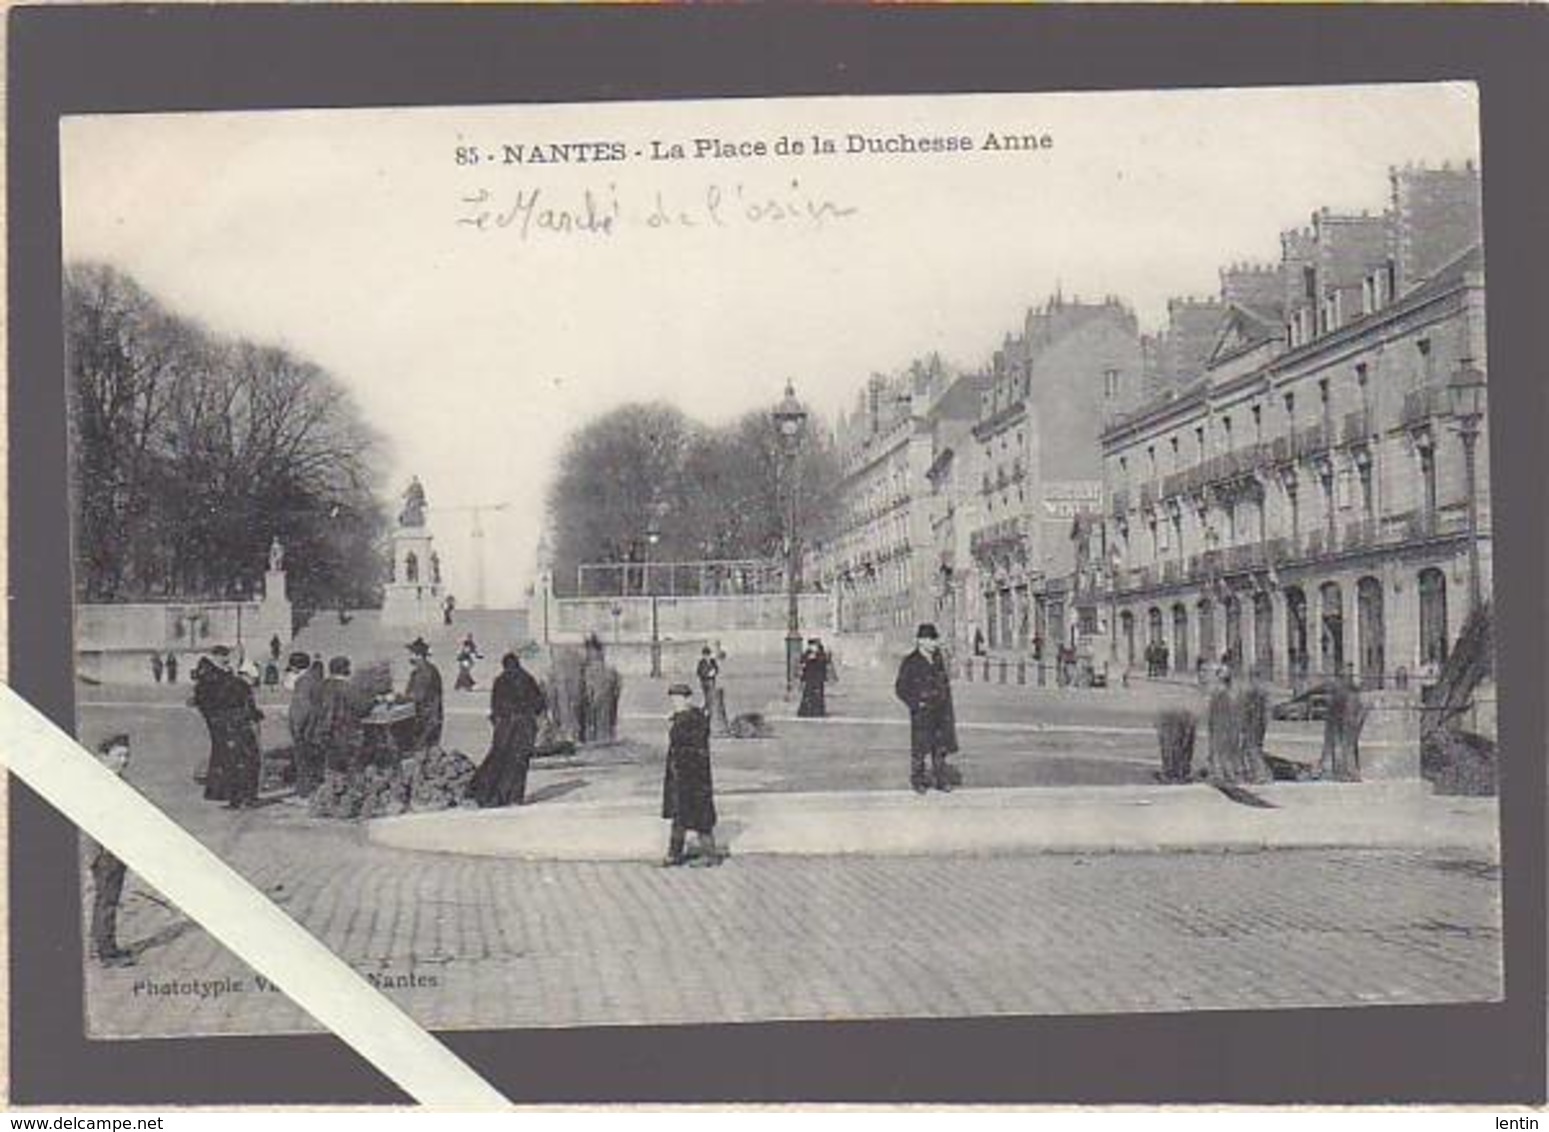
[[1226, 431], [1426, 361], [1368, 497], [1110, 383], [1199, 440], [1176, 457], [1151, 460], [1258, 425], [1433, 616], [1428, 479], [1363, 384], [1324, 404], [1290, 410]]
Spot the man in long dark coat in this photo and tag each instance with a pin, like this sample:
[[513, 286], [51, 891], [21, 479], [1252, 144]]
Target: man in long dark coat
[[226, 702], [515, 703], [688, 793], [308, 756], [334, 727], [425, 691], [926, 690]]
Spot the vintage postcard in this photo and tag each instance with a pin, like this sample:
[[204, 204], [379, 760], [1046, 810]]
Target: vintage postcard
[[836, 558]]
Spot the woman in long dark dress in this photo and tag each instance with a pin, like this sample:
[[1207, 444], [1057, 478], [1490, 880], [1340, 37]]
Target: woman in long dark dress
[[515, 703], [226, 702], [814, 682]]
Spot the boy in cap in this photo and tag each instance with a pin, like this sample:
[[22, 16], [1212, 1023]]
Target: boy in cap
[[926, 691], [688, 794], [107, 872]]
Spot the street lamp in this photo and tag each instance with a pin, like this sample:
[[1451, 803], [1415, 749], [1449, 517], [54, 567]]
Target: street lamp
[[790, 418], [653, 535], [1467, 394]]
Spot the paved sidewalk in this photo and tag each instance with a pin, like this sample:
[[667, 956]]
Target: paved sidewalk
[[1394, 815]]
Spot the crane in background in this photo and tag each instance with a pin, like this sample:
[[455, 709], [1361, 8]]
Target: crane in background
[[476, 511]]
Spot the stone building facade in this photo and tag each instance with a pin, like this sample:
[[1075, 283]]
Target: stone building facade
[[1039, 463], [1299, 503], [884, 565]]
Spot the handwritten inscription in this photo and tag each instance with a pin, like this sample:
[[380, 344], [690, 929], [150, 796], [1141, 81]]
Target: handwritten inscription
[[537, 212]]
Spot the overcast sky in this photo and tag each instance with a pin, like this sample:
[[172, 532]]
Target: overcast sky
[[350, 237]]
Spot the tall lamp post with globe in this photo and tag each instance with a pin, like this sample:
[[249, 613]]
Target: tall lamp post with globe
[[790, 419], [1466, 392], [653, 535]]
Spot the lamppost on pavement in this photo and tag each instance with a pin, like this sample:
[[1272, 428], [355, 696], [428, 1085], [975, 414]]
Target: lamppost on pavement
[[790, 418], [653, 535], [1467, 393]]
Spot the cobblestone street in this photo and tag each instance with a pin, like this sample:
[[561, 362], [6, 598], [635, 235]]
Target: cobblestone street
[[469, 942], [488, 943]]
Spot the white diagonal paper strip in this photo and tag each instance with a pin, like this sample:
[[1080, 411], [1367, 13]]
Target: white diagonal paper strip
[[233, 911]]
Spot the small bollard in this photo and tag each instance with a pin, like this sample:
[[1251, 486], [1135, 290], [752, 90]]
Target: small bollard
[[1002, 671], [1021, 671], [986, 670], [1042, 676], [968, 671]]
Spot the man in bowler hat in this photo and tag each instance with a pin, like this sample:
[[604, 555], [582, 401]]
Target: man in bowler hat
[[425, 691], [925, 689], [688, 795]]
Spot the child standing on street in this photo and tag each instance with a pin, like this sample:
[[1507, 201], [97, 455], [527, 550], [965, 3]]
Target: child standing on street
[[107, 872]]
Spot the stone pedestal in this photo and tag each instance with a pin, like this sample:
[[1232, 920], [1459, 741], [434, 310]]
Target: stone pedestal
[[272, 618], [413, 598], [1390, 740]]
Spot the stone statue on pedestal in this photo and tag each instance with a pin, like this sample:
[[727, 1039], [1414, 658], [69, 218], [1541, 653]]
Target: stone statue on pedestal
[[276, 556], [413, 513]]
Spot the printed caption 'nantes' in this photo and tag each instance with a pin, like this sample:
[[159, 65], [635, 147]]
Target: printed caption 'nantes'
[[725, 149]]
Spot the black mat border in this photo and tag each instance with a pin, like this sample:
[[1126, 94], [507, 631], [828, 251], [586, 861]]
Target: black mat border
[[96, 59]]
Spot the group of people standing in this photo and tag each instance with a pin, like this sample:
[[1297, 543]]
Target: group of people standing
[[164, 667], [1156, 659]]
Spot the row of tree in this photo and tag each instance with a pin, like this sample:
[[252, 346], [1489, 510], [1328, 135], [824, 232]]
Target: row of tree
[[190, 452], [707, 493]]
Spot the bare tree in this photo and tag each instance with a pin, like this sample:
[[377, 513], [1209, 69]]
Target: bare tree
[[191, 453], [709, 493]]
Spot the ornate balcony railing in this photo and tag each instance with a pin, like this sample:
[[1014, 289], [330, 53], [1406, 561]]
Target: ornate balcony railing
[[1360, 533], [1423, 404], [1358, 427], [1312, 441]]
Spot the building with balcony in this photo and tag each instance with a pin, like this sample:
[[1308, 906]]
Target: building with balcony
[[893, 560], [1046, 394], [1300, 504]]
